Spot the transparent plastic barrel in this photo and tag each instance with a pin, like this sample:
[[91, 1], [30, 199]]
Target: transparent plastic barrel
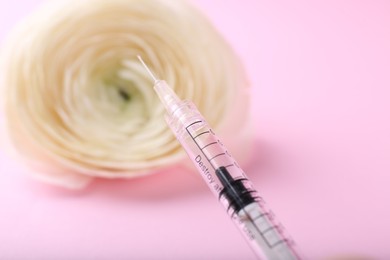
[[230, 185]]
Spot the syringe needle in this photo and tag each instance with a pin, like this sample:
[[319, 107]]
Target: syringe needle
[[147, 69], [167, 96]]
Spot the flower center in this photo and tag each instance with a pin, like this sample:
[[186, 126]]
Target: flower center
[[124, 94]]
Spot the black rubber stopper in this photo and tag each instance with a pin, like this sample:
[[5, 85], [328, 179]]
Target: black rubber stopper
[[234, 190]]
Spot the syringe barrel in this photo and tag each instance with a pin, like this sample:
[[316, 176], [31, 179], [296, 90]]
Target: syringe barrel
[[229, 184]]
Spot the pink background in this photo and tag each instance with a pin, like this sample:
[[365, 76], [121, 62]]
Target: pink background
[[321, 91]]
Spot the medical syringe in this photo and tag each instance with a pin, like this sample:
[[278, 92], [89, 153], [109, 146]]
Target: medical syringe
[[224, 176]]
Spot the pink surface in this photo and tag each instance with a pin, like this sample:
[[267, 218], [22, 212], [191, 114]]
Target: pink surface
[[321, 90]]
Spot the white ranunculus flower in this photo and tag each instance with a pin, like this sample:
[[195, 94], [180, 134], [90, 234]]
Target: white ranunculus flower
[[79, 104]]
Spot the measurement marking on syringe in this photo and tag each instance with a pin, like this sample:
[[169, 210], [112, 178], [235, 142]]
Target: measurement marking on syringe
[[256, 227], [241, 179], [279, 242], [201, 134], [209, 145], [189, 133], [230, 165], [216, 156], [269, 229], [193, 124], [260, 216]]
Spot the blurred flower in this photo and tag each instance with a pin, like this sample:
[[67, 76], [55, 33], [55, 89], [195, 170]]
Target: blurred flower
[[79, 104]]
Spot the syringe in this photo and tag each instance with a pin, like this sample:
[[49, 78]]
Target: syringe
[[224, 177]]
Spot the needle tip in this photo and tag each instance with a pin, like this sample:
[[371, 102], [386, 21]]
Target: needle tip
[[146, 67]]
